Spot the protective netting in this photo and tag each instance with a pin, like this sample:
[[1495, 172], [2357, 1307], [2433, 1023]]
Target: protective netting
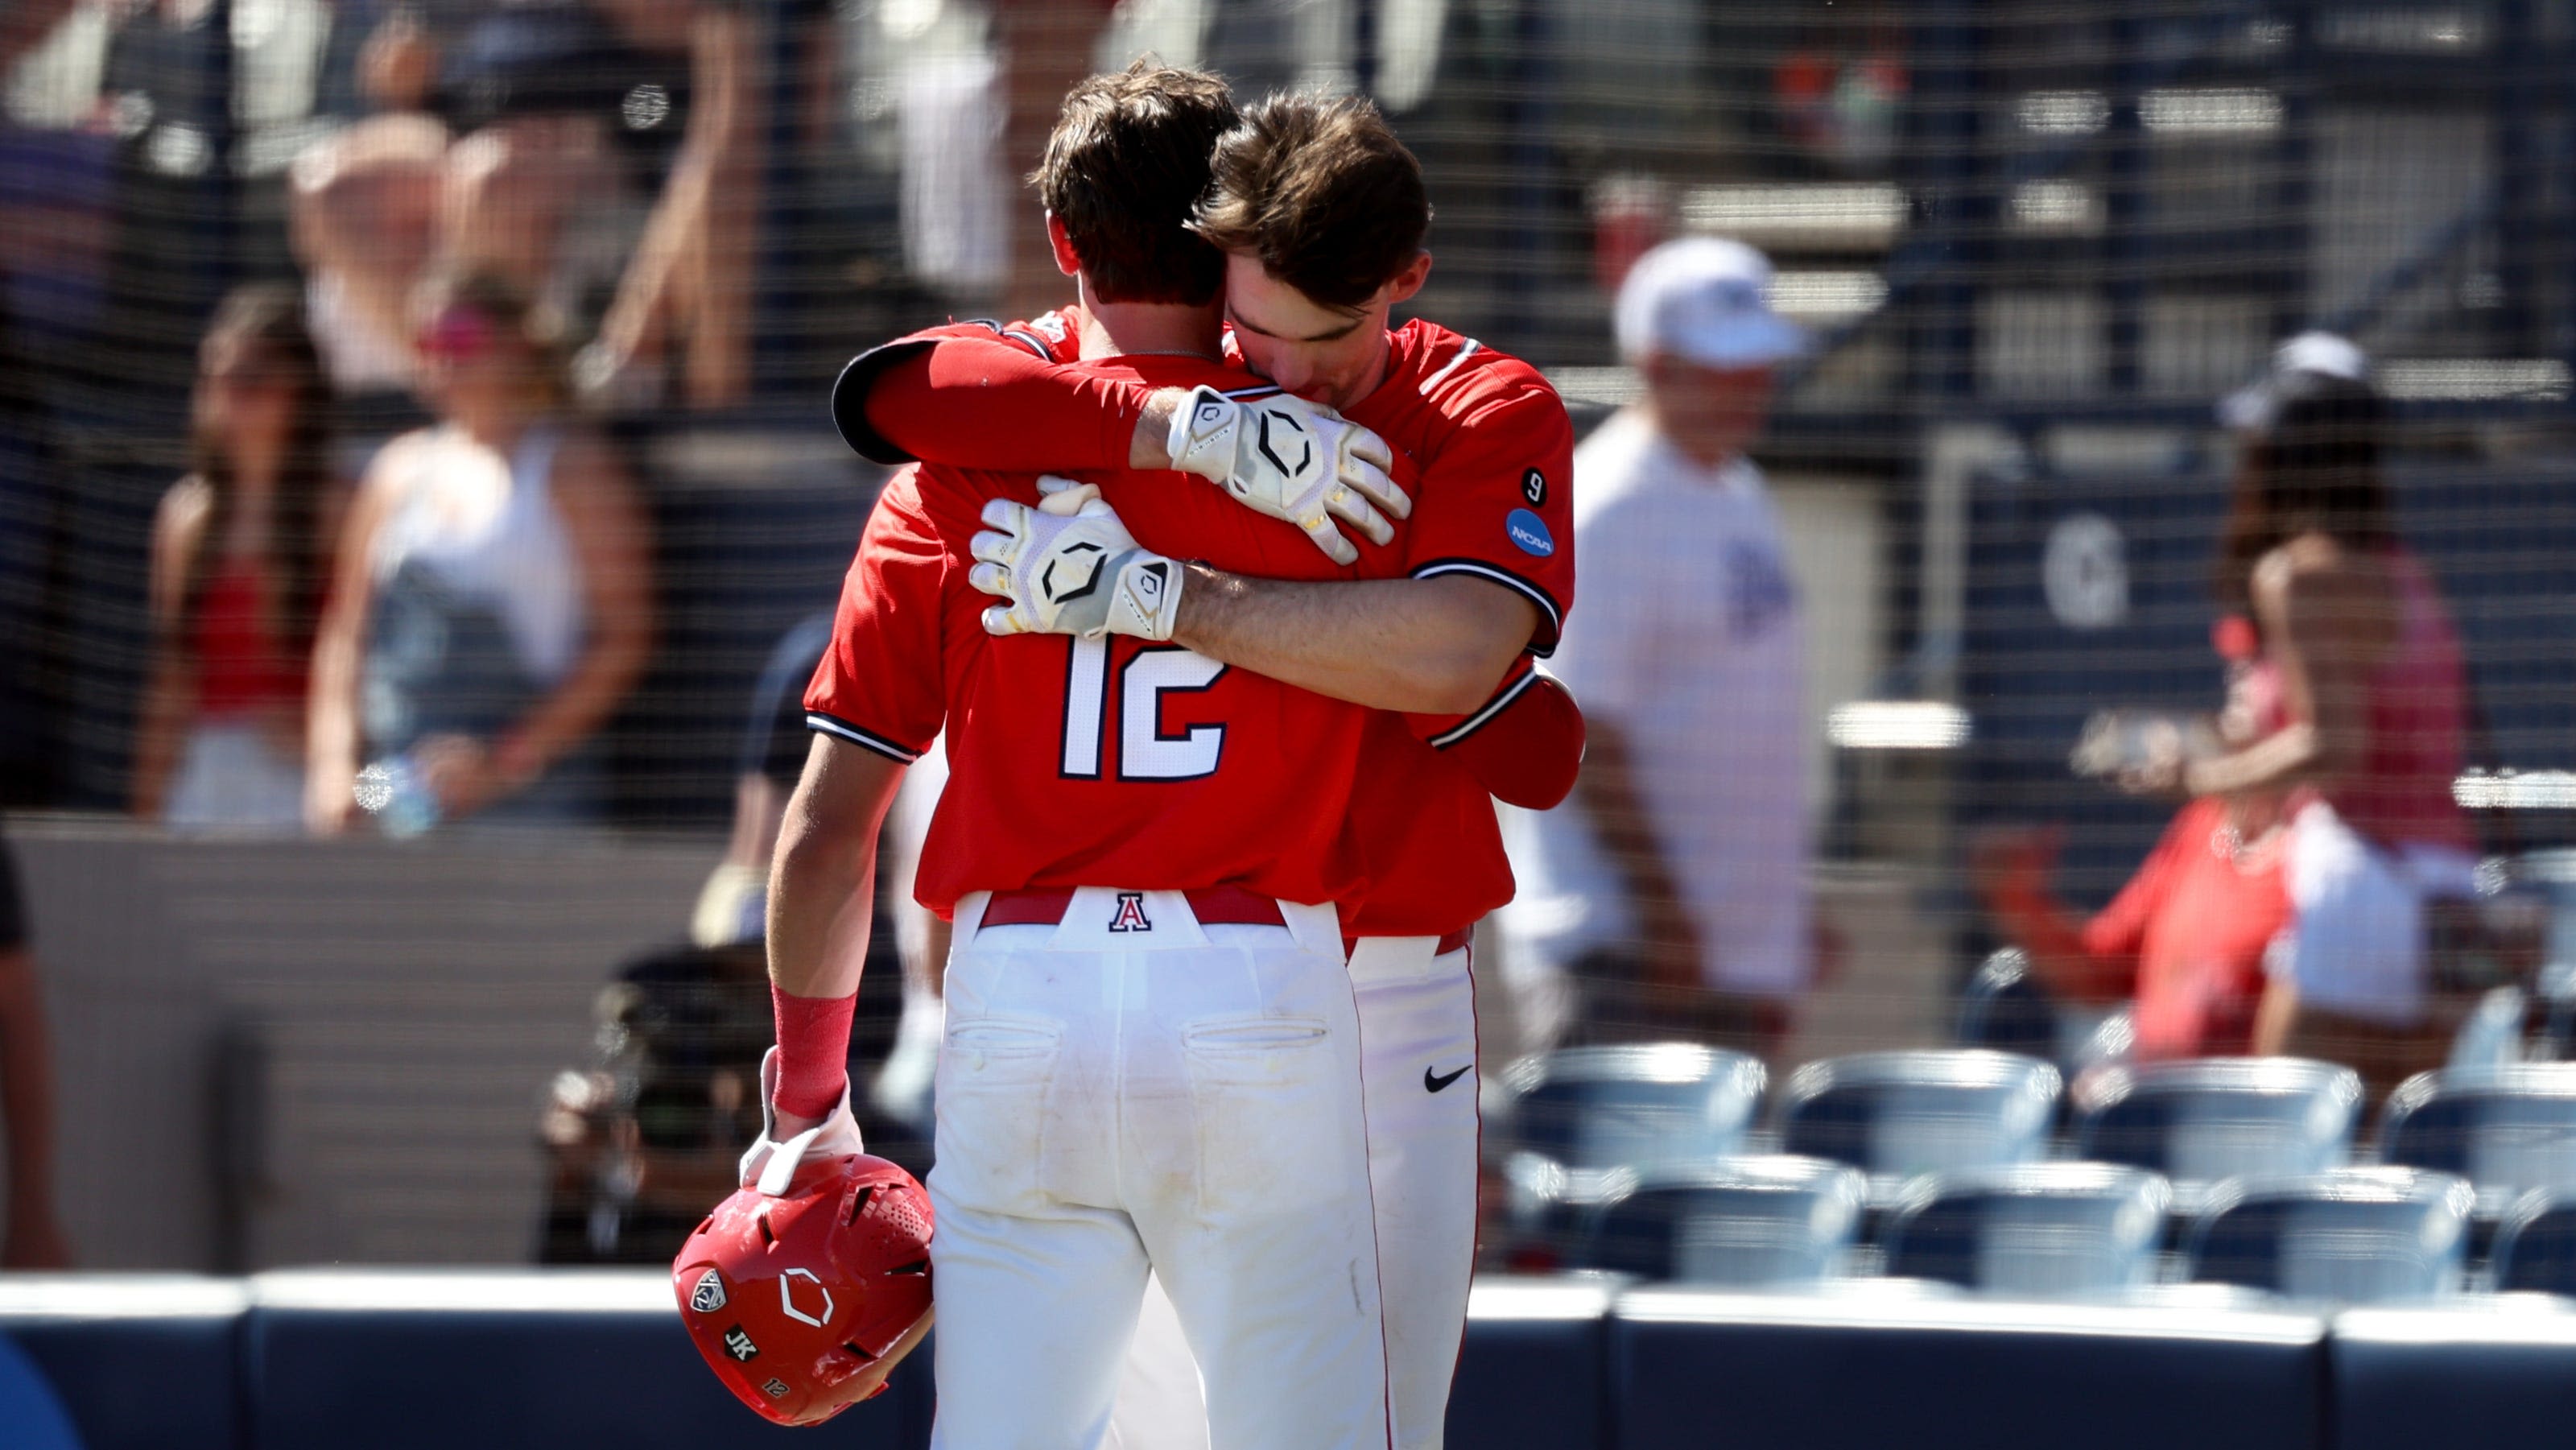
[[2035, 248]]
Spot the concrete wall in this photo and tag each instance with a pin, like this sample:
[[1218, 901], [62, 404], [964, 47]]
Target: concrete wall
[[293, 1052]]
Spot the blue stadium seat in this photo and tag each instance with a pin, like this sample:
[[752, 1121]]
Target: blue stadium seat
[[2005, 1009], [1638, 1107], [1743, 1222], [2036, 1230], [1896, 1114], [2351, 1236], [2553, 1037], [2505, 1129], [1584, 1120], [2535, 1250], [2491, 1035], [2199, 1121]]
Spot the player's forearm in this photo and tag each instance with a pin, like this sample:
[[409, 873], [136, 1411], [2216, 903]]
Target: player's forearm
[[822, 893], [1427, 646], [1151, 444], [822, 881]]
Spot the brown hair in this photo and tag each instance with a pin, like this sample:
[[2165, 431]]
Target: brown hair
[[1320, 190], [1127, 160], [2313, 469], [266, 319]]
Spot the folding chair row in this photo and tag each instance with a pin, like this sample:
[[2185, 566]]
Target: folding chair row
[[1582, 1121], [2050, 1230]]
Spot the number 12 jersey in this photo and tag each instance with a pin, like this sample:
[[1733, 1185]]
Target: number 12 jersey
[[1113, 762]]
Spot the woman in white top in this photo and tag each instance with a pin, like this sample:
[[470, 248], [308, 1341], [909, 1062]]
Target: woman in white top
[[492, 593]]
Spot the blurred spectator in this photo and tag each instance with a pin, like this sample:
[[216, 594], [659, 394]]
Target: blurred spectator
[[1675, 892], [35, 1235], [365, 207], [164, 95], [2375, 713], [600, 160], [239, 556], [2187, 938], [492, 594]]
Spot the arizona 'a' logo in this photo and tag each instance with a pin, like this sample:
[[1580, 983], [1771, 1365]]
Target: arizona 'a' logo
[[1131, 913]]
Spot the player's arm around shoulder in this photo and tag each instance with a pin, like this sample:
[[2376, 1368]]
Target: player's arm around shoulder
[[986, 395]]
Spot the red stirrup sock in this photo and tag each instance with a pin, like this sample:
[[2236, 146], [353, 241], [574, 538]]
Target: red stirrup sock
[[813, 1050]]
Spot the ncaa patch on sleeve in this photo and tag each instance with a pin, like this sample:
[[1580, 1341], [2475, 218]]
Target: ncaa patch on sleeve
[[1529, 533]]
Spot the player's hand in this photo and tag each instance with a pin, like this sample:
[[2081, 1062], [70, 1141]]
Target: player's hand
[[770, 1164], [1069, 566], [1292, 460]]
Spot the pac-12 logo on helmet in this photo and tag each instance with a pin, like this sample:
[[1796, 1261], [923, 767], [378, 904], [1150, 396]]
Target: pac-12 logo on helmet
[[825, 1287], [709, 1296]]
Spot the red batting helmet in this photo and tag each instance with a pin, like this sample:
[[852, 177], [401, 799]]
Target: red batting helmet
[[804, 1302]]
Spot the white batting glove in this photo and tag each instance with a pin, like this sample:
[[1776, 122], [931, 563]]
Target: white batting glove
[[1069, 566], [770, 1165], [1293, 460]]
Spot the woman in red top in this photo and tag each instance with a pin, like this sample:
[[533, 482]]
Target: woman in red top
[[2189, 935], [238, 560], [2374, 700]]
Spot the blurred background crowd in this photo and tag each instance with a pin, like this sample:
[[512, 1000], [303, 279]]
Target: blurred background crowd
[[2102, 600]]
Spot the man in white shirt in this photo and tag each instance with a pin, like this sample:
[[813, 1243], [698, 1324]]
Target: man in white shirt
[[1672, 891]]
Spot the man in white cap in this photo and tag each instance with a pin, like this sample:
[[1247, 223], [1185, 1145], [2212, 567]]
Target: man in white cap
[[1671, 893]]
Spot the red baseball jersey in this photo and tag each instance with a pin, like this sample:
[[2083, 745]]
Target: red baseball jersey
[[1091, 762], [1491, 454], [1495, 453]]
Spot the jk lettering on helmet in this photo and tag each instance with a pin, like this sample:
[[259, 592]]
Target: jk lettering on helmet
[[739, 1345]]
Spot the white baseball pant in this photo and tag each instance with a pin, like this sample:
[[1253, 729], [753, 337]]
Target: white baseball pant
[[1128, 1090], [1417, 1012]]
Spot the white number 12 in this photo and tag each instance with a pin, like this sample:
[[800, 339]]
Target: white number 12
[[1144, 751]]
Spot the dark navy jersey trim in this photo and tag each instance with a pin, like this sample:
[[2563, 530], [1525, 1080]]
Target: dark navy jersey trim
[[850, 400], [834, 726], [1493, 707], [1552, 618]]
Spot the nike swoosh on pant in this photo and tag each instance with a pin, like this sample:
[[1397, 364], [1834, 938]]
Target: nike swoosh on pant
[[1433, 1083]]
